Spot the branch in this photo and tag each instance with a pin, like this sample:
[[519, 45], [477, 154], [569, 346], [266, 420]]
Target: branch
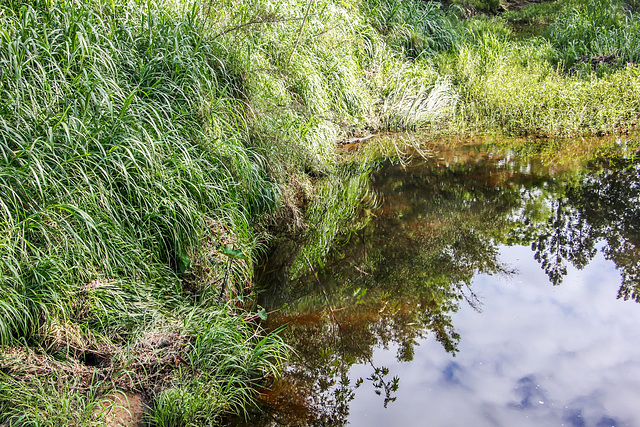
[[304, 23], [269, 19]]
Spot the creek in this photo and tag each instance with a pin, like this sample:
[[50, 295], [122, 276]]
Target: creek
[[486, 287]]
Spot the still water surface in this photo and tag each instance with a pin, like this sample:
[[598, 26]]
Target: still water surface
[[483, 289]]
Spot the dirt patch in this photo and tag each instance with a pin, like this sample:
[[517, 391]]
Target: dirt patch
[[143, 372], [25, 366], [124, 410]]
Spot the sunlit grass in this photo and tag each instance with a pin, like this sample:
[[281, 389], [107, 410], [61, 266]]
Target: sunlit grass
[[139, 140], [596, 28], [524, 86], [122, 141], [226, 362], [49, 401]]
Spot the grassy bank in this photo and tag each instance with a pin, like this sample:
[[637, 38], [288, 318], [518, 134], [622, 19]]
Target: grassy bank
[[149, 149]]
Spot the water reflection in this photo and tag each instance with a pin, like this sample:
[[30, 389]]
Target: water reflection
[[597, 206], [395, 285]]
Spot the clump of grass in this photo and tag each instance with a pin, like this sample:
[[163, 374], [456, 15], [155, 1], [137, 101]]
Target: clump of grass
[[413, 28], [226, 359], [514, 85], [49, 401], [113, 153], [408, 107], [596, 28], [196, 366], [303, 84]]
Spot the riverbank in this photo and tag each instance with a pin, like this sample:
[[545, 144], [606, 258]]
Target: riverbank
[[149, 151]]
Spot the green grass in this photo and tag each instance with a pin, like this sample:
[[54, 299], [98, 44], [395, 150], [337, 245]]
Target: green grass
[[124, 152], [227, 360], [412, 27], [49, 402], [139, 141], [199, 366], [114, 155], [510, 79], [596, 28], [514, 87], [519, 85]]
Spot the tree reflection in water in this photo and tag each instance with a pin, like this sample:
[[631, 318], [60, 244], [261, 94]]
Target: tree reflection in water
[[600, 206], [399, 278]]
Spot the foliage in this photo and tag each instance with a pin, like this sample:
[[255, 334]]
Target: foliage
[[226, 359], [123, 148], [414, 28], [145, 148], [514, 85], [50, 402], [596, 28]]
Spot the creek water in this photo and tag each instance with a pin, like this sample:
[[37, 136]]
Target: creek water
[[484, 288]]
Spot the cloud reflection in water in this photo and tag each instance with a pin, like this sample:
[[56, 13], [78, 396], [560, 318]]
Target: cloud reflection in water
[[536, 355], [392, 300]]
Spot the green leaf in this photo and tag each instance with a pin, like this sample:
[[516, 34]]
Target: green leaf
[[233, 253], [184, 262]]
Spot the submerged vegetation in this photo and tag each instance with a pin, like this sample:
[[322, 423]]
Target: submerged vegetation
[[149, 149]]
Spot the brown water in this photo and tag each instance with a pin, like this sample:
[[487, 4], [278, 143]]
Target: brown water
[[442, 311]]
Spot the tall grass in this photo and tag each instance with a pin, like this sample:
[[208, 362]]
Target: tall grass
[[410, 106], [301, 79], [227, 360], [125, 152], [519, 86], [414, 28], [118, 142], [140, 142], [49, 402], [596, 28]]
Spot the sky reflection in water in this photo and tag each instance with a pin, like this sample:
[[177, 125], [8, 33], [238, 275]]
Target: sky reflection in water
[[536, 355], [441, 310]]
